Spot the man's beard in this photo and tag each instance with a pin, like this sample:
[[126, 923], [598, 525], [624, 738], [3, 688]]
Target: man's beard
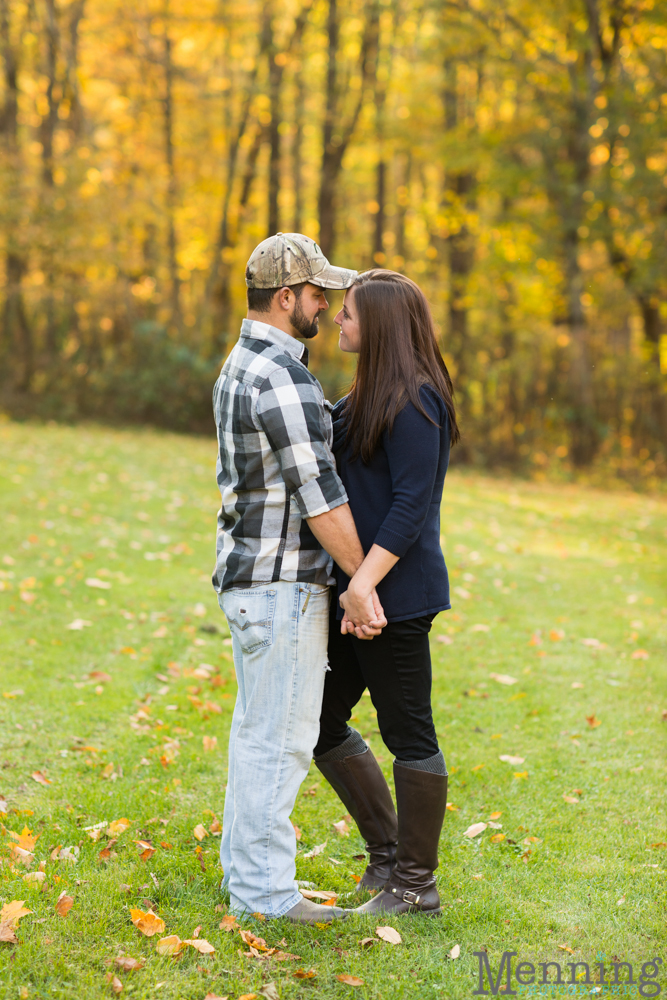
[[306, 329]]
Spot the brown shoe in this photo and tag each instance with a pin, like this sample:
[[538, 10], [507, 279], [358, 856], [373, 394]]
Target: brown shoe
[[361, 786], [421, 797]]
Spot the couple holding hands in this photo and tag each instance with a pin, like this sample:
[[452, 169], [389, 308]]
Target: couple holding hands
[[330, 571]]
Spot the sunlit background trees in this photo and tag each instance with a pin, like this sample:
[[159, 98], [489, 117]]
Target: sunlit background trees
[[512, 158]]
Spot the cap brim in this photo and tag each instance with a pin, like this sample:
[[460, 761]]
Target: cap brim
[[333, 277]]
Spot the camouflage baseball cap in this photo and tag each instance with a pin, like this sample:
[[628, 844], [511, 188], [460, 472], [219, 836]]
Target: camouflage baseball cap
[[289, 259]]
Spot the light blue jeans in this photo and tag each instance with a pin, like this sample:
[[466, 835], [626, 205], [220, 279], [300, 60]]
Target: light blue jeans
[[279, 638]]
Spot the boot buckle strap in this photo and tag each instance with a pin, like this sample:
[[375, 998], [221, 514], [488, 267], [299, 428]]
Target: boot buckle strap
[[408, 897]]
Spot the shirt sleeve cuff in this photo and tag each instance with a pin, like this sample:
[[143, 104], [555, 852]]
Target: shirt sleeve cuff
[[317, 496], [398, 545]]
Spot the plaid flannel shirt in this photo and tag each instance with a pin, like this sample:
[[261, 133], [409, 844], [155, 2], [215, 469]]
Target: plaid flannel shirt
[[275, 465]]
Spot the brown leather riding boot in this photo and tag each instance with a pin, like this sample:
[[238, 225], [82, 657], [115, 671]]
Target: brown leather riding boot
[[421, 798], [361, 786]]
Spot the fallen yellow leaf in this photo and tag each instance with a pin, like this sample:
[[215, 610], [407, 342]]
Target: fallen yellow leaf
[[64, 904], [171, 945], [201, 945], [147, 923], [127, 964], [348, 980], [317, 849], [24, 857], [325, 894], [114, 982], [475, 830], [389, 934], [12, 912], [258, 943], [25, 838], [503, 679], [118, 826], [7, 933], [34, 877], [200, 831]]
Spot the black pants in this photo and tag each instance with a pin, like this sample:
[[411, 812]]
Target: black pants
[[396, 668]]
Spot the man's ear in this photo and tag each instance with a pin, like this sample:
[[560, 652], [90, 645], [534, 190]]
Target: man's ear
[[284, 298]]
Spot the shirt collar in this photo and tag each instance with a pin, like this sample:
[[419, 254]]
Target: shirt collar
[[255, 330]]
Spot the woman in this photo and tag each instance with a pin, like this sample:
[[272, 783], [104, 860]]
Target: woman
[[392, 436]]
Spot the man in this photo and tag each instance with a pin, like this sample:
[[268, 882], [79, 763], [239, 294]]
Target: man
[[284, 513]]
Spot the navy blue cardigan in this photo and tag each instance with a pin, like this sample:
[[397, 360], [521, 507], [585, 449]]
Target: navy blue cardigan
[[395, 501]]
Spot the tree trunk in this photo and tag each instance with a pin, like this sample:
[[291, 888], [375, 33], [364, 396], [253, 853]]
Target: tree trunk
[[458, 192], [222, 293], [403, 171], [168, 123], [584, 433], [218, 295], [50, 119], [650, 307], [75, 118], [378, 254], [584, 425], [460, 266], [380, 216], [458, 186], [336, 129], [297, 146], [275, 88], [17, 328], [47, 133], [16, 341], [330, 168], [513, 403]]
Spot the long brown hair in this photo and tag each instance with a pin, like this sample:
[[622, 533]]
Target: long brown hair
[[398, 354]]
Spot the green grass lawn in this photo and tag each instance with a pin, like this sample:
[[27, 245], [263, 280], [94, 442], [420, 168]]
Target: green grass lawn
[[107, 612]]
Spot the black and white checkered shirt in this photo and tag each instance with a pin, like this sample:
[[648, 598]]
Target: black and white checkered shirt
[[275, 464]]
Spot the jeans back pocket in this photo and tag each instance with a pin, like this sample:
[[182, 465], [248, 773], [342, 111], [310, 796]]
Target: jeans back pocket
[[250, 616]]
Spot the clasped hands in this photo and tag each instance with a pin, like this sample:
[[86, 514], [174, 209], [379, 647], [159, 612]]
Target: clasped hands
[[362, 612]]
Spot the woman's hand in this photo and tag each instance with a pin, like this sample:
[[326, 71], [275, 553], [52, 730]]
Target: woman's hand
[[363, 613], [361, 590]]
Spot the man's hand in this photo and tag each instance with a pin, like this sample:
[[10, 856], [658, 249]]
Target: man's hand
[[363, 614]]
